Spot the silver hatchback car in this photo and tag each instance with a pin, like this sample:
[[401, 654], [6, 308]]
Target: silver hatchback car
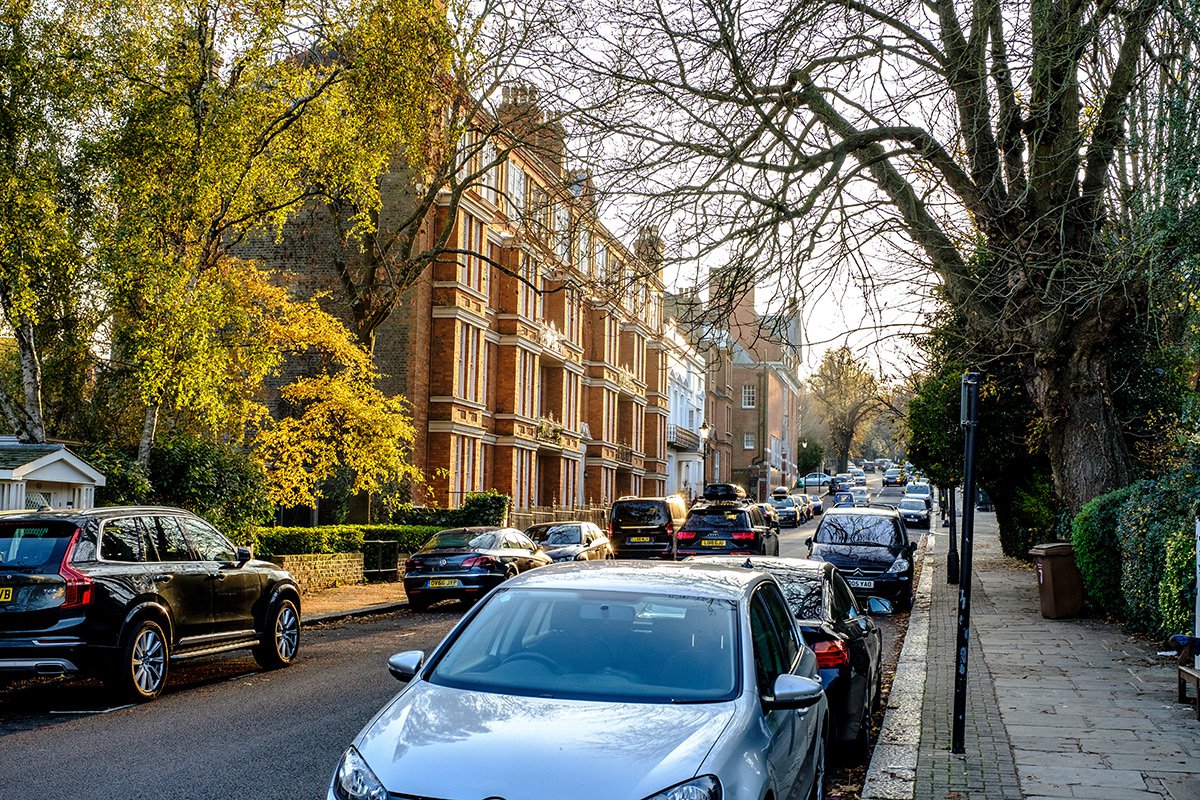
[[630, 681]]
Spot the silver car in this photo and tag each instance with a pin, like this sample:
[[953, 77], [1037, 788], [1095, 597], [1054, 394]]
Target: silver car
[[628, 681]]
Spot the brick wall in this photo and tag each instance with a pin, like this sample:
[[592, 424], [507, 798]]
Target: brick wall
[[317, 571]]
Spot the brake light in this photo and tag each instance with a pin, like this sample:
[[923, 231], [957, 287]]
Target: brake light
[[410, 565], [670, 528], [741, 536], [79, 586], [831, 655], [479, 561]]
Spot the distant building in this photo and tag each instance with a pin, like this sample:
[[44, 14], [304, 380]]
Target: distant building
[[686, 378], [45, 475]]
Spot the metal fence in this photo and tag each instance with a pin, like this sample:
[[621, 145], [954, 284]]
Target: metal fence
[[525, 517], [381, 559]]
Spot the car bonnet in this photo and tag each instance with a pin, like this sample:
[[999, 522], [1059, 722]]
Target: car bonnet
[[435, 741]]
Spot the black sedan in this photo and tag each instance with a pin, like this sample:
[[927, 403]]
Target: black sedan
[[846, 641], [727, 529], [467, 563], [571, 541]]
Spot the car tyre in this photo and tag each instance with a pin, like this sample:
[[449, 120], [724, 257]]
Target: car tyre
[[859, 750], [140, 672], [905, 603], [281, 636], [418, 604]]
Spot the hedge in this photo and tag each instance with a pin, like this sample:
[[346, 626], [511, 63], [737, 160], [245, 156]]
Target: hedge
[[478, 508], [1098, 549], [339, 538]]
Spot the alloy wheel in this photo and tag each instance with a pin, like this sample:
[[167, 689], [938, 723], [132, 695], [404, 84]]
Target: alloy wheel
[[148, 661], [287, 632]]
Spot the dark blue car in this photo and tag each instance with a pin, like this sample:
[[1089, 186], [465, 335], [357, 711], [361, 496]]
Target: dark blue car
[[870, 547]]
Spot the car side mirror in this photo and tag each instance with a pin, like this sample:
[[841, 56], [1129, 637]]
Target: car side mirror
[[405, 666], [243, 555], [877, 606], [794, 691], [912, 548]]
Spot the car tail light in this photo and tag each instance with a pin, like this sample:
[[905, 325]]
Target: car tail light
[[79, 586], [411, 564], [831, 655], [741, 536], [670, 529], [479, 561]]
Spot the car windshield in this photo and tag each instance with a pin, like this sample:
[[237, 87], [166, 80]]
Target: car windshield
[[854, 529], [556, 534], [912, 504], [604, 646], [461, 540], [639, 512], [34, 548], [802, 590], [716, 518], [782, 502]]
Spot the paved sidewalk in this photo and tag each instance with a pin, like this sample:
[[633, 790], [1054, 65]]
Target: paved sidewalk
[[1055, 708]]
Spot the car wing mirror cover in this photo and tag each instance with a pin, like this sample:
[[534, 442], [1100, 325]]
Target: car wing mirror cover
[[879, 606], [795, 691], [243, 555], [405, 666]]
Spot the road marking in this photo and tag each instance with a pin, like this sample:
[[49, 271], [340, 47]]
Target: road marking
[[94, 711]]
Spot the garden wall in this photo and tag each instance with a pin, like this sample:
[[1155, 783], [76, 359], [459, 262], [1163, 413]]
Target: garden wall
[[317, 571]]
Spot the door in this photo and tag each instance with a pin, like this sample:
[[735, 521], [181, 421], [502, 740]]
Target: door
[[781, 753], [235, 589], [179, 578]]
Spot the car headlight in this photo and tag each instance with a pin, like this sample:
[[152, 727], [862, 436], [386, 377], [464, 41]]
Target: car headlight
[[355, 780], [706, 787], [898, 566]]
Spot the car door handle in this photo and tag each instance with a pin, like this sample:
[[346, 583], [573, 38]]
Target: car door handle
[[163, 578], [217, 576]]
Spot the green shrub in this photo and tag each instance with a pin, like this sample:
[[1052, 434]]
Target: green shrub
[[325, 539], [409, 537], [213, 480], [1177, 589], [1036, 518], [478, 508], [1164, 512], [125, 480], [1098, 550]]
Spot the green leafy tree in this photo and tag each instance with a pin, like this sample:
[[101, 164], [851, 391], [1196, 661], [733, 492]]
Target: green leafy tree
[[846, 395]]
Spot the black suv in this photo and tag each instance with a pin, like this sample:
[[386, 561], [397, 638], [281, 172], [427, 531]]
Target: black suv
[[870, 547], [645, 527], [123, 592], [722, 528]]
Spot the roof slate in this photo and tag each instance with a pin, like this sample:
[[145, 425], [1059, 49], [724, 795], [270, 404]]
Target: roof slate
[[14, 456]]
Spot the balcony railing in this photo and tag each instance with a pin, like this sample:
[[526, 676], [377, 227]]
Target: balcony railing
[[683, 439], [624, 454], [549, 431]]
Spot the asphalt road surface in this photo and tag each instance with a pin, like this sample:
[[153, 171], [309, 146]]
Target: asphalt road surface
[[222, 730]]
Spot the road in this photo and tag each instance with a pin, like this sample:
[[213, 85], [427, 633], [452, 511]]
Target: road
[[224, 729]]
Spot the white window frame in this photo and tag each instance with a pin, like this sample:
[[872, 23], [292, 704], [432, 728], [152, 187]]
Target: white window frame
[[747, 441], [749, 396]]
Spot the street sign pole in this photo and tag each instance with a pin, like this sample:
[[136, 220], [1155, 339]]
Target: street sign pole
[[969, 419]]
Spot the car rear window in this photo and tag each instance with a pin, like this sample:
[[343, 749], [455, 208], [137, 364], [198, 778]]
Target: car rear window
[[783, 502], [640, 512], [37, 549], [458, 540], [717, 519], [556, 534], [855, 529]]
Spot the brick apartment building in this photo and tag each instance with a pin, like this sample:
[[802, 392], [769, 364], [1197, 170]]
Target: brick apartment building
[[531, 353]]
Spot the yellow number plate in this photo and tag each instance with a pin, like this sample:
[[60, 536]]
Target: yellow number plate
[[441, 583], [712, 543], [639, 539], [5, 594]]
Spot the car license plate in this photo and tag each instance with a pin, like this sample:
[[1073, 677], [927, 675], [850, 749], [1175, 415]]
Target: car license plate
[[442, 583], [858, 583], [5, 594], [638, 539], [712, 542]]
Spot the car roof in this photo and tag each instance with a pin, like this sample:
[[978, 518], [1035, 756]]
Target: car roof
[[766, 563], [665, 577], [101, 512], [553, 524], [479, 529], [861, 512]]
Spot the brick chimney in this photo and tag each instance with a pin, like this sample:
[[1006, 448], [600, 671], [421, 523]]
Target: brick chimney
[[521, 115]]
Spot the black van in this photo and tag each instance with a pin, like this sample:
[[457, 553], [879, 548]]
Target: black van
[[645, 527]]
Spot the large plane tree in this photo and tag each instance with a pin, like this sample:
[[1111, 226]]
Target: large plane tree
[[790, 140]]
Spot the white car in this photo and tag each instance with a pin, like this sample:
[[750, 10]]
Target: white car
[[589, 681]]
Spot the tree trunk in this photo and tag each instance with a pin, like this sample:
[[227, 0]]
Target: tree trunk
[[147, 441], [31, 382], [1084, 442]]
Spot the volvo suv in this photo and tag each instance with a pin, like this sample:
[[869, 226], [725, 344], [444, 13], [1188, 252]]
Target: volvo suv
[[122, 593]]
